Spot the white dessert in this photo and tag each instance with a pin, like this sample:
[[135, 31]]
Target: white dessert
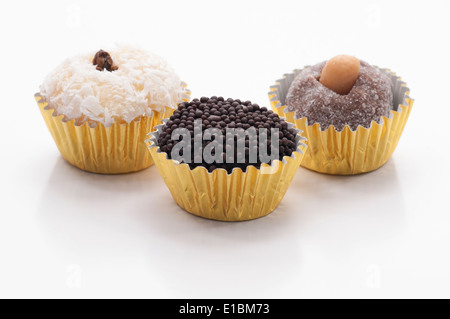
[[143, 83]]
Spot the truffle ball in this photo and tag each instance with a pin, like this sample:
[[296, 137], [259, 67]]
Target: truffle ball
[[369, 99]]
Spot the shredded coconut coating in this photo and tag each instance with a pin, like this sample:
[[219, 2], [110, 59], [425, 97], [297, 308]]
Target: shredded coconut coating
[[370, 98], [143, 83]]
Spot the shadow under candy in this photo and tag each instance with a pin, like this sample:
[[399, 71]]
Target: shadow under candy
[[354, 210], [117, 219], [131, 223]]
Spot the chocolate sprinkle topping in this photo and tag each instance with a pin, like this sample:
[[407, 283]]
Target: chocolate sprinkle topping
[[216, 112]]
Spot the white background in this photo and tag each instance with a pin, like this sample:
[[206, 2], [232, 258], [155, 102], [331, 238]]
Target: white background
[[67, 233]]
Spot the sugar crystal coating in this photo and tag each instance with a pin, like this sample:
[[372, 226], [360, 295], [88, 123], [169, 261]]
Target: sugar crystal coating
[[370, 98]]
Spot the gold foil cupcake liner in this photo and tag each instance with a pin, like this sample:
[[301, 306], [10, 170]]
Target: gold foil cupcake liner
[[348, 152], [227, 197], [116, 149]]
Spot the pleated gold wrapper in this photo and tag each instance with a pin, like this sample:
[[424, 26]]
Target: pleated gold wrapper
[[220, 196], [348, 152], [116, 149]]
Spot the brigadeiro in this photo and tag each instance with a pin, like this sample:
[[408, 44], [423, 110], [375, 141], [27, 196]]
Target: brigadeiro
[[250, 172], [352, 113], [216, 112]]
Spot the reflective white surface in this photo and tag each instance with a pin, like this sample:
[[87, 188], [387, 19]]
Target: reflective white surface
[[67, 233]]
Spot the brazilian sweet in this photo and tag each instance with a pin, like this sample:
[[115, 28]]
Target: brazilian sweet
[[342, 91], [222, 115]]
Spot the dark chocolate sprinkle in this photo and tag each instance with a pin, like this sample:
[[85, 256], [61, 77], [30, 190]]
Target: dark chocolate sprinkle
[[221, 114]]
